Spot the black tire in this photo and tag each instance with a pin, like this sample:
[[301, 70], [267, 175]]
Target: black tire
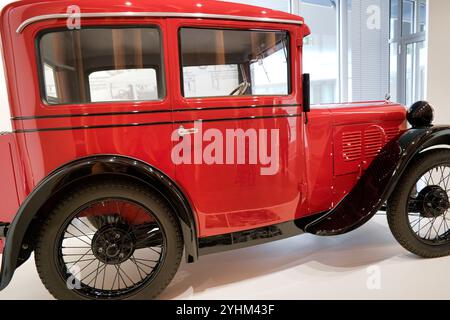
[[399, 210], [54, 274]]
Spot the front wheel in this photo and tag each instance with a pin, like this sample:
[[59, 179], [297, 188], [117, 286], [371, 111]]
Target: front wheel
[[418, 211], [133, 249]]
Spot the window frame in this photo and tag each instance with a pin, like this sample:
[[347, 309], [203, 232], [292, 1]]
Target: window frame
[[41, 73], [221, 28]]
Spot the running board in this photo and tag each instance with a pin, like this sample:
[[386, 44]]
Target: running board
[[248, 238]]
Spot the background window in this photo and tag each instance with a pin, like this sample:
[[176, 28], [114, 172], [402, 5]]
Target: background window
[[234, 62], [123, 85], [408, 17], [269, 75], [210, 81], [50, 83], [320, 50], [359, 50], [409, 54], [102, 65]]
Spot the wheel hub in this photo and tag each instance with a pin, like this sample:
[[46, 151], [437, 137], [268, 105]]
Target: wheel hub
[[113, 244], [433, 202]]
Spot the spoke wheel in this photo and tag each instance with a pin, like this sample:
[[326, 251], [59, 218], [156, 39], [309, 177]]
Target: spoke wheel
[[428, 206], [125, 251], [418, 211], [109, 240]]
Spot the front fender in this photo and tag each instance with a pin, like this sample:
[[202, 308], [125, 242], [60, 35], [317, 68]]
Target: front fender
[[377, 184], [17, 251]]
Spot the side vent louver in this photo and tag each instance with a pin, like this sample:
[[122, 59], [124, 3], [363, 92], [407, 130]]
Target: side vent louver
[[373, 142], [352, 145], [391, 133], [356, 146], [367, 144]]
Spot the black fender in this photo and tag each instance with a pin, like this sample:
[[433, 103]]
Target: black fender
[[377, 184], [18, 249]]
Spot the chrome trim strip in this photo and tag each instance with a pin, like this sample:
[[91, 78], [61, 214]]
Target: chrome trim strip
[[152, 14]]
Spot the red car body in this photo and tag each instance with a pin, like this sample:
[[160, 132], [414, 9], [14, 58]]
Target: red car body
[[323, 153]]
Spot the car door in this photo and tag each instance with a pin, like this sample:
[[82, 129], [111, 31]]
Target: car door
[[237, 123]]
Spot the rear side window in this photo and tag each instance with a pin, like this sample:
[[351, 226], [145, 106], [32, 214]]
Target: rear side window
[[217, 63], [102, 65]]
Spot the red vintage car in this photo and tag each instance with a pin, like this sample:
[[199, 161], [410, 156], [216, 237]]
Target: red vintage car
[[146, 130]]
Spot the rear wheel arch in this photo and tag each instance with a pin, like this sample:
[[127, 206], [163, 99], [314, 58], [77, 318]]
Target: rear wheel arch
[[19, 241]]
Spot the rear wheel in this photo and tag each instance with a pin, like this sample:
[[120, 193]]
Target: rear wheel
[[418, 211], [111, 240]]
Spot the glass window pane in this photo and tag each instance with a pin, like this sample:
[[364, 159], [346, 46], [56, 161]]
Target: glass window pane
[[210, 81], [123, 85], [422, 17], [394, 19], [269, 74], [421, 70], [408, 17], [416, 63], [220, 63], [320, 51], [50, 84], [78, 66], [410, 57], [349, 97], [393, 78]]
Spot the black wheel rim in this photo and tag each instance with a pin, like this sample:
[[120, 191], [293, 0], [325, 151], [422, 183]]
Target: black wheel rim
[[428, 206], [110, 249]]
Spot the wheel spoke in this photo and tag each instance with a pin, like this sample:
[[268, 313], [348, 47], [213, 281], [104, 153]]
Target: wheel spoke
[[84, 268], [96, 270], [133, 259], [104, 276], [146, 265], [84, 255], [77, 237], [123, 271], [139, 268], [83, 233], [86, 225], [146, 260], [120, 277], [78, 261], [114, 282]]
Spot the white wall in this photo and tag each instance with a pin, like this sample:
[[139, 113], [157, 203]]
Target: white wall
[[5, 123], [438, 59]]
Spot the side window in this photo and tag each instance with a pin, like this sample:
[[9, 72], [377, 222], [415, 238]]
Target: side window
[[102, 65], [217, 63]]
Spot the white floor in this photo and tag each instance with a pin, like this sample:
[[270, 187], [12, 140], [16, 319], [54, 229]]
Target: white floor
[[365, 264]]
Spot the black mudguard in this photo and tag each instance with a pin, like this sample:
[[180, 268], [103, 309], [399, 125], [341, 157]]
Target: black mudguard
[[18, 248], [377, 184]]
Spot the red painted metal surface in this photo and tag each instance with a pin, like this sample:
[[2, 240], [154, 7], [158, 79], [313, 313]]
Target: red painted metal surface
[[314, 174], [9, 178]]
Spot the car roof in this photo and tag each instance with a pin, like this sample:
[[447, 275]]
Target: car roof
[[27, 12]]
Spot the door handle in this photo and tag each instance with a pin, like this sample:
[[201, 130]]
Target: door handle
[[182, 131]]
